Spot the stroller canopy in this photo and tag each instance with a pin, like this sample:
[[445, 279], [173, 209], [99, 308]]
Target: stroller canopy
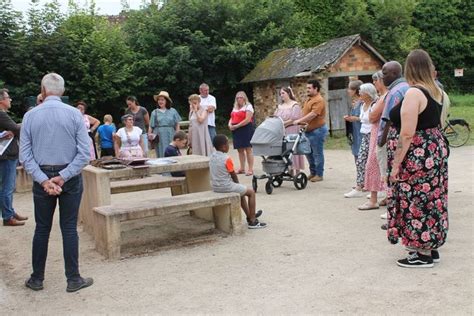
[[268, 137]]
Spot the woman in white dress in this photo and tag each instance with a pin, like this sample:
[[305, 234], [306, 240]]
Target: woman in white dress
[[128, 142]]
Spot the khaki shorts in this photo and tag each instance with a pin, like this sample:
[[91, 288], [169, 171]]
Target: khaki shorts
[[234, 187], [382, 160]]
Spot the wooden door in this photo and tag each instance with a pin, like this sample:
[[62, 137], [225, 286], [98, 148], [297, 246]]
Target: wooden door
[[339, 105]]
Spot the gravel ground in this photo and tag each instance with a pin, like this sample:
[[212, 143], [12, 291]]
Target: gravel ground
[[319, 254]]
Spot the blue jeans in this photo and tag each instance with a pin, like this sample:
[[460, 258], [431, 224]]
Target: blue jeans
[[212, 132], [7, 187], [69, 201], [316, 159]]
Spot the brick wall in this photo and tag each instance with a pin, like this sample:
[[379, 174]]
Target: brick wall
[[356, 59]]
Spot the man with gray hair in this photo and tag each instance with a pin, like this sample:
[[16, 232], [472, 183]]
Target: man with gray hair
[[9, 132], [54, 147], [208, 103]]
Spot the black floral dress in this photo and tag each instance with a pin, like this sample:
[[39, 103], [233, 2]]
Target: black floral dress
[[418, 203]]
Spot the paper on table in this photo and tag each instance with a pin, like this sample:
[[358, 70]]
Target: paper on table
[[161, 161]]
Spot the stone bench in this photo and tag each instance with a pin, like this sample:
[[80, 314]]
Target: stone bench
[[177, 184], [225, 208], [24, 182]]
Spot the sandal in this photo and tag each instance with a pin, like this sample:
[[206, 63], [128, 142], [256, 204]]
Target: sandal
[[368, 206], [240, 171], [249, 173]]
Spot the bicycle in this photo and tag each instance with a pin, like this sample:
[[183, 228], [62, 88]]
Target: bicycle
[[457, 131]]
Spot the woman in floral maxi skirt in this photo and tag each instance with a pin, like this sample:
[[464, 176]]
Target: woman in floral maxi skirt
[[418, 195]]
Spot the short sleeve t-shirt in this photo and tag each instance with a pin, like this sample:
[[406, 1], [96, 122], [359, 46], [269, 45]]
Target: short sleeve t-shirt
[[132, 139], [139, 118], [205, 103], [220, 166], [105, 134], [316, 105]]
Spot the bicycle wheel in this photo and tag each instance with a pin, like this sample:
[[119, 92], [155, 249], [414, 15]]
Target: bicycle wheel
[[457, 133]]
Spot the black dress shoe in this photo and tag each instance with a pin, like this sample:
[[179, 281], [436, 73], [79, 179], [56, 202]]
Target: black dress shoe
[[34, 284], [73, 286]]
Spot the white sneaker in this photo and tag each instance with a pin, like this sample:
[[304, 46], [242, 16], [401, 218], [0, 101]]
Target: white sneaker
[[380, 195], [354, 194], [383, 216]]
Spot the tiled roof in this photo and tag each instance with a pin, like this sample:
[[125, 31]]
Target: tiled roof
[[289, 62]]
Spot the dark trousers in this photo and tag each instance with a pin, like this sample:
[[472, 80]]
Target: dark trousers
[[69, 201], [107, 152]]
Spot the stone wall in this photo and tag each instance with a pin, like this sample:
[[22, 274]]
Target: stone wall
[[265, 93]]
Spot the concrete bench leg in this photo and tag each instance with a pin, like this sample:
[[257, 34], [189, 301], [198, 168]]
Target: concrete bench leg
[[228, 218], [108, 237], [178, 189], [197, 180]]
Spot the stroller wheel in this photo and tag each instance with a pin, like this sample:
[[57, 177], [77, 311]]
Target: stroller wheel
[[277, 181], [300, 181], [254, 184], [269, 187]]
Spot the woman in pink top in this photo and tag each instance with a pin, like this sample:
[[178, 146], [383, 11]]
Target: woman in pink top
[[91, 124], [289, 110]]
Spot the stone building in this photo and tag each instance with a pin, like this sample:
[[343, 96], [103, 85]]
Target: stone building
[[334, 63]]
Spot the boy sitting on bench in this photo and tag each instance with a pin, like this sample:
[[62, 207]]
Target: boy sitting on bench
[[224, 179]]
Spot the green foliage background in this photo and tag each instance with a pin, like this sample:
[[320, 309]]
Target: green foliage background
[[175, 45]]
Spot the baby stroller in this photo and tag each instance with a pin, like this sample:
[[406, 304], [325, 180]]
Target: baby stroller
[[269, 141]]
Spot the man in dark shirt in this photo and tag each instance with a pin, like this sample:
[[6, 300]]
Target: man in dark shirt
[[180, 139], [8, 163]]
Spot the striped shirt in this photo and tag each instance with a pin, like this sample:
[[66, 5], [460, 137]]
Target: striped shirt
[[54, 134]]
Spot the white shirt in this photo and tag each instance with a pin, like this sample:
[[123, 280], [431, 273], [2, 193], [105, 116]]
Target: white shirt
[[205, 103], [365, 126], [133, 138]]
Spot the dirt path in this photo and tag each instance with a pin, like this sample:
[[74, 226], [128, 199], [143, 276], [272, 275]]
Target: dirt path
[[318, 255]]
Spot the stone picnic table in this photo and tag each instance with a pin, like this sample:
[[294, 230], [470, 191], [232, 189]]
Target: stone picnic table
[[97, 184]]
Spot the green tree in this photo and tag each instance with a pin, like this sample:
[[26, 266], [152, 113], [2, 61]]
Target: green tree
[[184, 43], [11, 34], [392, 32], [321, 23], [96, 62], [448, 36]]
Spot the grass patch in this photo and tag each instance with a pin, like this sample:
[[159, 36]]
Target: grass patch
[[462, 100], [337, 142], [467, 113]]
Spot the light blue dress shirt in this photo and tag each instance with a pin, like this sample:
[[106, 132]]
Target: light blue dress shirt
[[54, 133]]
